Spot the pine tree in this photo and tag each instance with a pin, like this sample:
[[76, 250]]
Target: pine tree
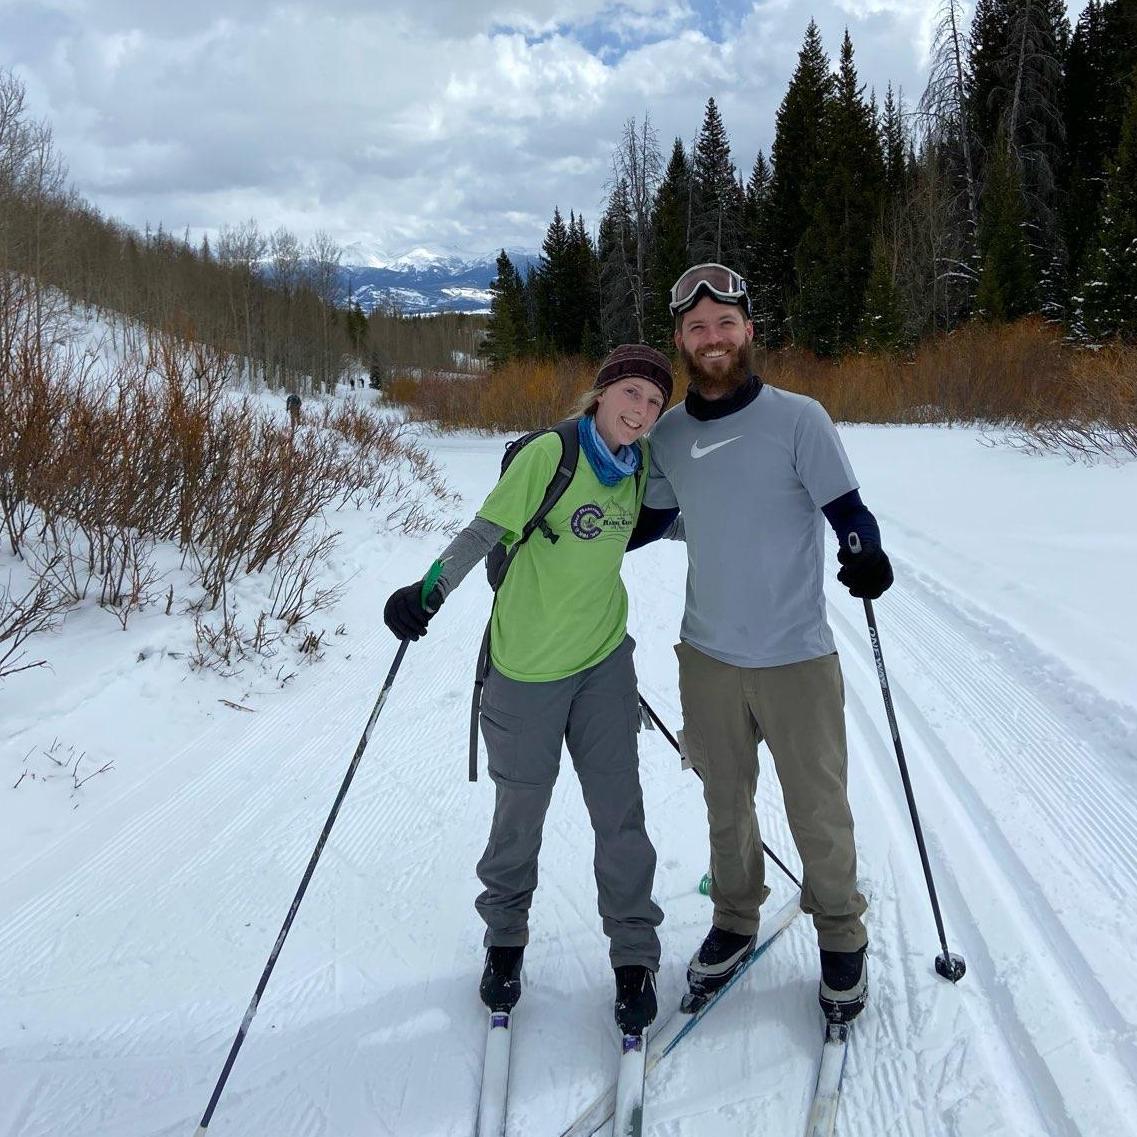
[[885, 322], [551, 286], [356, 326], [1088, 129], [1018, 50], [582, 328], [669, 254], [883, 326], [796, 154], [894, 146], [834, 258], [715, 220], [1109, 305], [758, 263], [1007, 281], [1100, 63], [986, 73], [506, 329]]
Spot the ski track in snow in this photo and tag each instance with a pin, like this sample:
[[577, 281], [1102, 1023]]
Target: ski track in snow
[[129, 950], [1044, 979]]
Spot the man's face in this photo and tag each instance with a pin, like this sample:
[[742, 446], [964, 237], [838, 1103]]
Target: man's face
[[714, 340]]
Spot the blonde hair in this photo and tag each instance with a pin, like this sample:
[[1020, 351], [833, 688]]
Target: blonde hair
[[586, 405]]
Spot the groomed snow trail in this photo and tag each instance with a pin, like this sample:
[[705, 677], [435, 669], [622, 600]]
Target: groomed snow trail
[[129, 950]]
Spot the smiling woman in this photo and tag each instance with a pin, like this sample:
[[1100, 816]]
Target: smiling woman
[[557, 668]]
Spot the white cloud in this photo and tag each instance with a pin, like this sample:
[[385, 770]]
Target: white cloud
[[399, 123]]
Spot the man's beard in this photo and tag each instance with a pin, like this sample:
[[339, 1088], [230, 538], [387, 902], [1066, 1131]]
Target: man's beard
[[718, 384]]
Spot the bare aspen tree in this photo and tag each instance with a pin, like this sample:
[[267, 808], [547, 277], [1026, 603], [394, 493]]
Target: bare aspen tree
[[324, 257], [944, 101], [287, 257], [33, 197], [637, 170], [241, 248]]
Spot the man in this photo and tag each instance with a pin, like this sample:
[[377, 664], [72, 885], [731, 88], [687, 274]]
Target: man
[[754, 470]]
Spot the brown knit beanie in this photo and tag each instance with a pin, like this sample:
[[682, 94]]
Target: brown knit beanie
[[640, 361]]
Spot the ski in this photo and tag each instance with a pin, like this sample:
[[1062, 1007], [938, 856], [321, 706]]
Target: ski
[[827, 1094], [679, 1024], [495, 1076], [628, 1115]]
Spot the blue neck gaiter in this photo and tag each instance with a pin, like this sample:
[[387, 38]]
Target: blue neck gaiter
[[608, 467]]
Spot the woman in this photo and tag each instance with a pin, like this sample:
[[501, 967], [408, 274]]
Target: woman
[[561, 672]]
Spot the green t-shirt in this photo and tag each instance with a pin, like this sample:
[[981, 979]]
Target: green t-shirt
[[562, 607]]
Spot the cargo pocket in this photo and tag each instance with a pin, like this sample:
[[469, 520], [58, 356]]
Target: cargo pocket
[[692, 750], [502, 733]]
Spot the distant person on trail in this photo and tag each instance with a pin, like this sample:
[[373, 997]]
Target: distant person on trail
[[560, 671], [755, 471], [293, 405]]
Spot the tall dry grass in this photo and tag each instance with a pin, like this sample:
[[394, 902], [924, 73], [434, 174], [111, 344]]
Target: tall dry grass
[[1024, 378], [524, 395]]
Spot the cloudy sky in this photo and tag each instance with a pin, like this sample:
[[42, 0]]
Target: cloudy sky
[[451, 124]]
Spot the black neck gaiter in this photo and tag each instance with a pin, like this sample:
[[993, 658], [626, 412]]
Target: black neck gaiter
[[706, 409]]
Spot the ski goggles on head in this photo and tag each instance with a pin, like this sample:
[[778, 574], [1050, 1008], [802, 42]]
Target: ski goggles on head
[[714, 280]]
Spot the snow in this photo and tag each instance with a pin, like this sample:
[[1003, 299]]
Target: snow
[[482, 295], [137, 910]]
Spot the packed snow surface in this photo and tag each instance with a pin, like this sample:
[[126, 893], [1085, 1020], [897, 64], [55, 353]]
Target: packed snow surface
[[137, 910]]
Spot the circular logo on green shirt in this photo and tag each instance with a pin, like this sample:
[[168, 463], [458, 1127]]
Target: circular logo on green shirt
[[586, 521]]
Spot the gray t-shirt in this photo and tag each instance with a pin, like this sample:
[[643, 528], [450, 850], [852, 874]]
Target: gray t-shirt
[[751, 486]]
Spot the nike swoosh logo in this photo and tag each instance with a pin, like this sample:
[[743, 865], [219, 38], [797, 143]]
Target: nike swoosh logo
[[698, 451]]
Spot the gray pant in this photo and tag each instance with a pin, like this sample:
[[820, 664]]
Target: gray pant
[[799, 710], [595, 712]]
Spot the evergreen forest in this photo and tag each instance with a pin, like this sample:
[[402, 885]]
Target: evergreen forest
[[1008, 189]]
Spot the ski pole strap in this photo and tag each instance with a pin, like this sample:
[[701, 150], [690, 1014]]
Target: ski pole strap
[[428, 583], [476, 699]]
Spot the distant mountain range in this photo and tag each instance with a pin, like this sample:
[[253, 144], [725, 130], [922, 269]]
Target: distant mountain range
[[422, 282]]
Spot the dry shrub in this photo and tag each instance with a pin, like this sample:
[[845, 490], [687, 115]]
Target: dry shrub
[[1024, 377], [522, 395], [295, 592], [96, 469], [38, 609], [1095, 411], [979, 373]]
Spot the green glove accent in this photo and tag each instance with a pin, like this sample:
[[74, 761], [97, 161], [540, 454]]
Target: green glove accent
[[428, 583]]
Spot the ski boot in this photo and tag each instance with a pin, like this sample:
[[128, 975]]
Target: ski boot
[[844, 987], [501, 978], [712, 966], [635, 998]]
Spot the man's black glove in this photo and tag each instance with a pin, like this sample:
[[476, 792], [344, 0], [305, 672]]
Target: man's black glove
[[866, 574], [404, 614]]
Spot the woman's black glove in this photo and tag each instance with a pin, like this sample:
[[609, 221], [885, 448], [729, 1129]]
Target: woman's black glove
[[404, 613], [867, 574]]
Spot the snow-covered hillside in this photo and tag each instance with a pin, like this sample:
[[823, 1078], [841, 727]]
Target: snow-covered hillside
[[136, 911]]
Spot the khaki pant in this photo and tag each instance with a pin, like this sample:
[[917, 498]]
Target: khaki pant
[[798, 709]]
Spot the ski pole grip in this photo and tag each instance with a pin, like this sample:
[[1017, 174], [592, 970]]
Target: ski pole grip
[[854, 543], [428, 583]]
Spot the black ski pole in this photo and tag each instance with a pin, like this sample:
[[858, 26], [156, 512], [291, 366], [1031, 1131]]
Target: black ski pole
[[675, 742], [252, 1009], [949, 965]]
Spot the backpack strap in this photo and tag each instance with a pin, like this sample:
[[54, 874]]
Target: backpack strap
[[554, 491]]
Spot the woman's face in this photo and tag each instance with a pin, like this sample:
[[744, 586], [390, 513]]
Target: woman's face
[[626, 409]]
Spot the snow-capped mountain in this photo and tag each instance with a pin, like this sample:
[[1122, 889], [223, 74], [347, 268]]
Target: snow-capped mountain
[[422, 281]]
